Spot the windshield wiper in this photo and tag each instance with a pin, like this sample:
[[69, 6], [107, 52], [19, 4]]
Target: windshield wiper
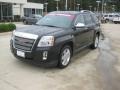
[[49, 25]]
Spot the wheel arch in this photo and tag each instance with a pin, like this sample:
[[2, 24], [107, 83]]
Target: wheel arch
[[69, 43], [98, 33]]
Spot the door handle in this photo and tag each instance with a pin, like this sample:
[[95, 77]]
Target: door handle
[[86, 28]]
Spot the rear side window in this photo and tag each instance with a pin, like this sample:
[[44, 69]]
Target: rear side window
[[95, 19], [79, 19], [116, 15], [88, 19]]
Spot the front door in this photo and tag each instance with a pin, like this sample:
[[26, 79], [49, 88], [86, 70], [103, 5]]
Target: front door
[[79, 33]]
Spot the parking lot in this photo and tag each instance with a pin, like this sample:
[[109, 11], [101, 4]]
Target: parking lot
[[89, 70]]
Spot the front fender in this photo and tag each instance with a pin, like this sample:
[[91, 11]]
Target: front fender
[[64, 39]]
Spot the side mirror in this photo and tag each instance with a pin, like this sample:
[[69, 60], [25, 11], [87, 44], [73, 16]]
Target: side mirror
[[79, 25]]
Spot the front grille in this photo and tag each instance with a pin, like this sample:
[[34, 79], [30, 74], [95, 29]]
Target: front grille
[[23, 43]]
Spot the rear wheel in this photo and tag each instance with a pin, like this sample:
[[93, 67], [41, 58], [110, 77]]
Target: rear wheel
[[65, 56], [115, 22], [96, 42]]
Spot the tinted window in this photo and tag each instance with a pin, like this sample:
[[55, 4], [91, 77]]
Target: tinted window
[[88, 19], [79, 19], [95, 18], [110, 15], [116, 15], [106, 16], [58, 20]]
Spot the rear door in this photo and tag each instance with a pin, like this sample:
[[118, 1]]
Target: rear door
[[90, 27], [33, 19], [111, 17]]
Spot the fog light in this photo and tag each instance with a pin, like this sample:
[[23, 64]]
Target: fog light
[[45, 54]]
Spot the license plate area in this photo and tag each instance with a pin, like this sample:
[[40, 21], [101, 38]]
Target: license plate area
[[20, 53]]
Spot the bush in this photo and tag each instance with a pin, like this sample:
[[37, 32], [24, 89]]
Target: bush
[[11, 27], [4, 28], [7, 27]]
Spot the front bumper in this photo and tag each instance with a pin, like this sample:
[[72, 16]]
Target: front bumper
[[36, 55]]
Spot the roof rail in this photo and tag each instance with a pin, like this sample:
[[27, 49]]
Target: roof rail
[[85, 11]]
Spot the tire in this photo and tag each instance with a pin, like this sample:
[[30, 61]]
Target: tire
[[107, 20], [115, 22], [96, 42], [25, 22], [65, 56]]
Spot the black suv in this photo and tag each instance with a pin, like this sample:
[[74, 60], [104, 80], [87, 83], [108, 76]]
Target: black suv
[[56, 37]]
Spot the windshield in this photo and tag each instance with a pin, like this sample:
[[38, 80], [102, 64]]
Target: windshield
[[56, 20]]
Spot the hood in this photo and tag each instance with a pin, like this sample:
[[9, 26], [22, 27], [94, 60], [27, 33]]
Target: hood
[[40, 30]]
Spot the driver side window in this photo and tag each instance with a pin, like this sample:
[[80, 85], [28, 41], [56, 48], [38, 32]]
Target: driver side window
[[79, 19]]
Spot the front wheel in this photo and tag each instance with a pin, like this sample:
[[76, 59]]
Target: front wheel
[[65, 56], [107, 20], [96, 42], [115, 22], [25, 22]]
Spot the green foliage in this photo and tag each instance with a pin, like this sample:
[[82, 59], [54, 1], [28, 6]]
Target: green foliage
[[7, 27], [84, 4], [11, 27], [4, 28]]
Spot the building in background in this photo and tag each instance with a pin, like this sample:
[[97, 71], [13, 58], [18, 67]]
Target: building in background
[[12, 9]]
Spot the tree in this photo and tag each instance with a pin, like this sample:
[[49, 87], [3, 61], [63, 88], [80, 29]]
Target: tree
[[84, 4]]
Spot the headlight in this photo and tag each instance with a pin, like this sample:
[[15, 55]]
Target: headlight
[[46, 41]]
